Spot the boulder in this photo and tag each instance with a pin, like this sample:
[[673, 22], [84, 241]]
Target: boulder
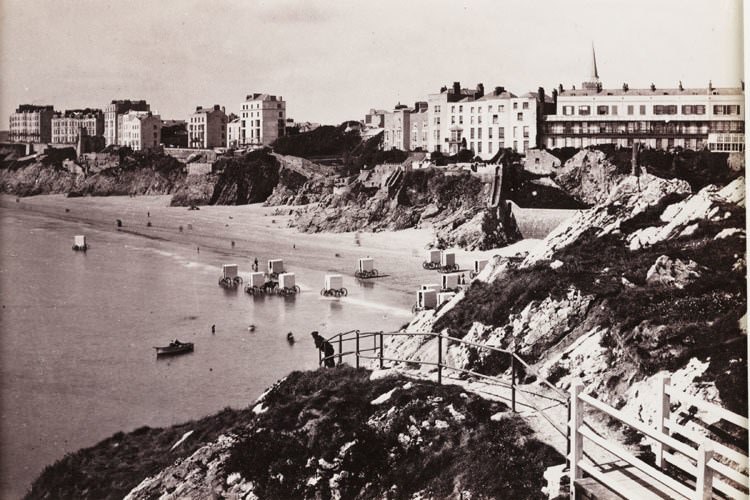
[[673, 272]]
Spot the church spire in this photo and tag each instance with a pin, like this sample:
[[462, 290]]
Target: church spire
[[593, 83], [594, 70]]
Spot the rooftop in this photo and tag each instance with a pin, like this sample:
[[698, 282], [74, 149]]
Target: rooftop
[[653, 91]]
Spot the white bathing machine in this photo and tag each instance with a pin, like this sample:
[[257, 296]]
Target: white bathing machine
[[334, 286]]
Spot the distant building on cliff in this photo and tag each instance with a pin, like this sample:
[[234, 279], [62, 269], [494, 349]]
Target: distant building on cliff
[[207, 128], [140, 130], [113, 114], [31, 123], [234, 133], [67, 127], [461, 118], [659, 118], [263, 119], [404, 128]]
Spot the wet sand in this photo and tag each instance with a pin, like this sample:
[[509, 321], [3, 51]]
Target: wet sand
[[212, 229]]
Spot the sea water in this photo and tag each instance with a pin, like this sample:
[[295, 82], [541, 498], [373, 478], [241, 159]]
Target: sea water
[[78, 330]]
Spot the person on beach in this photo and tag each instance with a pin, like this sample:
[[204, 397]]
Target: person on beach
[[325, 346], [255, 264], [232, 243], [213, 329]]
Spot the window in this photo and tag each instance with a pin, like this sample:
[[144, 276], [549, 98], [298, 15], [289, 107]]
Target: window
[[643, 109], [494, 119], [584, 110], [460, 109], [479, 147], [501, 144], [526, 132], [568, 110], [525, 146], [479, 133], [471, 146], [471, 119], [687, 109], [515, 132], [614, 110], [471, 133], [489, 132], [479, 109], [281, 114], [460, 119], [489, 108], [515, 146], [520, 117], [472, 109], [630, 109], [453, 109], [437, 109], [515, 105], [479, 119], [602, 110], [501, 108], [525, 105], [700, 109], [489, 147], [453, 120], [500, 132], [728, 109]]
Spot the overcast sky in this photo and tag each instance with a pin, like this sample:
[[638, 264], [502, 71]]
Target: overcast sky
[[334, 60]]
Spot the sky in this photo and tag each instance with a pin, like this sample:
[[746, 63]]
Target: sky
[[334, 60]]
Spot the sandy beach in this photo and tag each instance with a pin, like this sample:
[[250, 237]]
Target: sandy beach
[[212, 229]]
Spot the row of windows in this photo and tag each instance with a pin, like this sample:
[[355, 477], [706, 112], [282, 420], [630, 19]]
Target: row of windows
[[726, 146], [643, 127], [657, 109], [495, 120], [490, 108]]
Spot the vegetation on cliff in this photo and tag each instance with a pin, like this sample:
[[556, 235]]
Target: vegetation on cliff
[[321, 434]]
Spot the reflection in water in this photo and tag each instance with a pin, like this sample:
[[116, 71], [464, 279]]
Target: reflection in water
[[366, 284]]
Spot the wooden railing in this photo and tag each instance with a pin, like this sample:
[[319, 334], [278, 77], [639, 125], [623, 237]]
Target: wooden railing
[[517, 365], [697, 455]]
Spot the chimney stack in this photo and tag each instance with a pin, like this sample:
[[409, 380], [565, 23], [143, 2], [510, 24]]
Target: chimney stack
[[480, 90], [457, 88]]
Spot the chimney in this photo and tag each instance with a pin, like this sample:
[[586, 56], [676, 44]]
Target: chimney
[[540, 91], [457, 88], [625, 87], [554, 97], [653, 87], [560, 88], [443, 89], [480, 90], [710, 85], [499, 90]]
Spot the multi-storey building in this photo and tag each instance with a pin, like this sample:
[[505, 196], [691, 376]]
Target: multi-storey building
[[484, 123], [375, 118], [31, 123], [140, 130], [207, 127], [234, 131], [655, 117], [69, 126], [113, 114], [263, 119], [404, 128]]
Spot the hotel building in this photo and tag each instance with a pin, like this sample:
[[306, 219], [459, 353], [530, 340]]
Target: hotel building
[[207, 128], [404, 128], [140, 130], [68, 126], [113, 114], [263, 119], [656, 117], [31, 123]]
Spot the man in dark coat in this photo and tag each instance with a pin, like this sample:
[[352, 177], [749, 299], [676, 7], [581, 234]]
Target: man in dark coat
[[326, 347]]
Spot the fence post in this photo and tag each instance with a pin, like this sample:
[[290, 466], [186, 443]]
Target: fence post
[[576, 440], [381, 349], [567, 437], [357, 348], [704, 477], [513, 382], [662, 414], [440, 358], [320, 357], [341, 347]]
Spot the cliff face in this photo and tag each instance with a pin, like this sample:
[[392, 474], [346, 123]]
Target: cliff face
[[652, 280], [332, 433], [454, 205]]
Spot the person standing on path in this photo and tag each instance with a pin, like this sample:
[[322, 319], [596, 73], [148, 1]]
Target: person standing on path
[[327, 349]]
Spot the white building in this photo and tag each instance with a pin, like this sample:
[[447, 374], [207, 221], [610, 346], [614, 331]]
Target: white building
[[656, 117], [207, 128], [263, 119], [234, 132], [140, 130]]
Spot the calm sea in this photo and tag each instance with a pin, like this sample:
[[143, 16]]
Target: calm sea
[[77, 332]]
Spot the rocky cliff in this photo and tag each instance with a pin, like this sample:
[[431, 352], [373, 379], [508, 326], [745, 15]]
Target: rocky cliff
[[332, 433], [652, 280], [455, 205]]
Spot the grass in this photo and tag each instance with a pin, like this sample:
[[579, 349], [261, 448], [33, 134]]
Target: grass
[[313, 414], [111, 468]]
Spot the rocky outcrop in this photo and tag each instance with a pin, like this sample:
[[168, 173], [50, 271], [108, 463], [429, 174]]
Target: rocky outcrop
[[343, 433], [589, 176], [453, 205], [588, 305]]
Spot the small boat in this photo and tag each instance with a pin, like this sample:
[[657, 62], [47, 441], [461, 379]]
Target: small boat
[[174, 347]]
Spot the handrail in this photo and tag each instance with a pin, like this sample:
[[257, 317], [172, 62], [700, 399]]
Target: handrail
[[378, 338], [725, 414], [700, 463]]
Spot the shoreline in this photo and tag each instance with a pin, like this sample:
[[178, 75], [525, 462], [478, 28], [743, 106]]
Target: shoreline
[[212, 229]]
